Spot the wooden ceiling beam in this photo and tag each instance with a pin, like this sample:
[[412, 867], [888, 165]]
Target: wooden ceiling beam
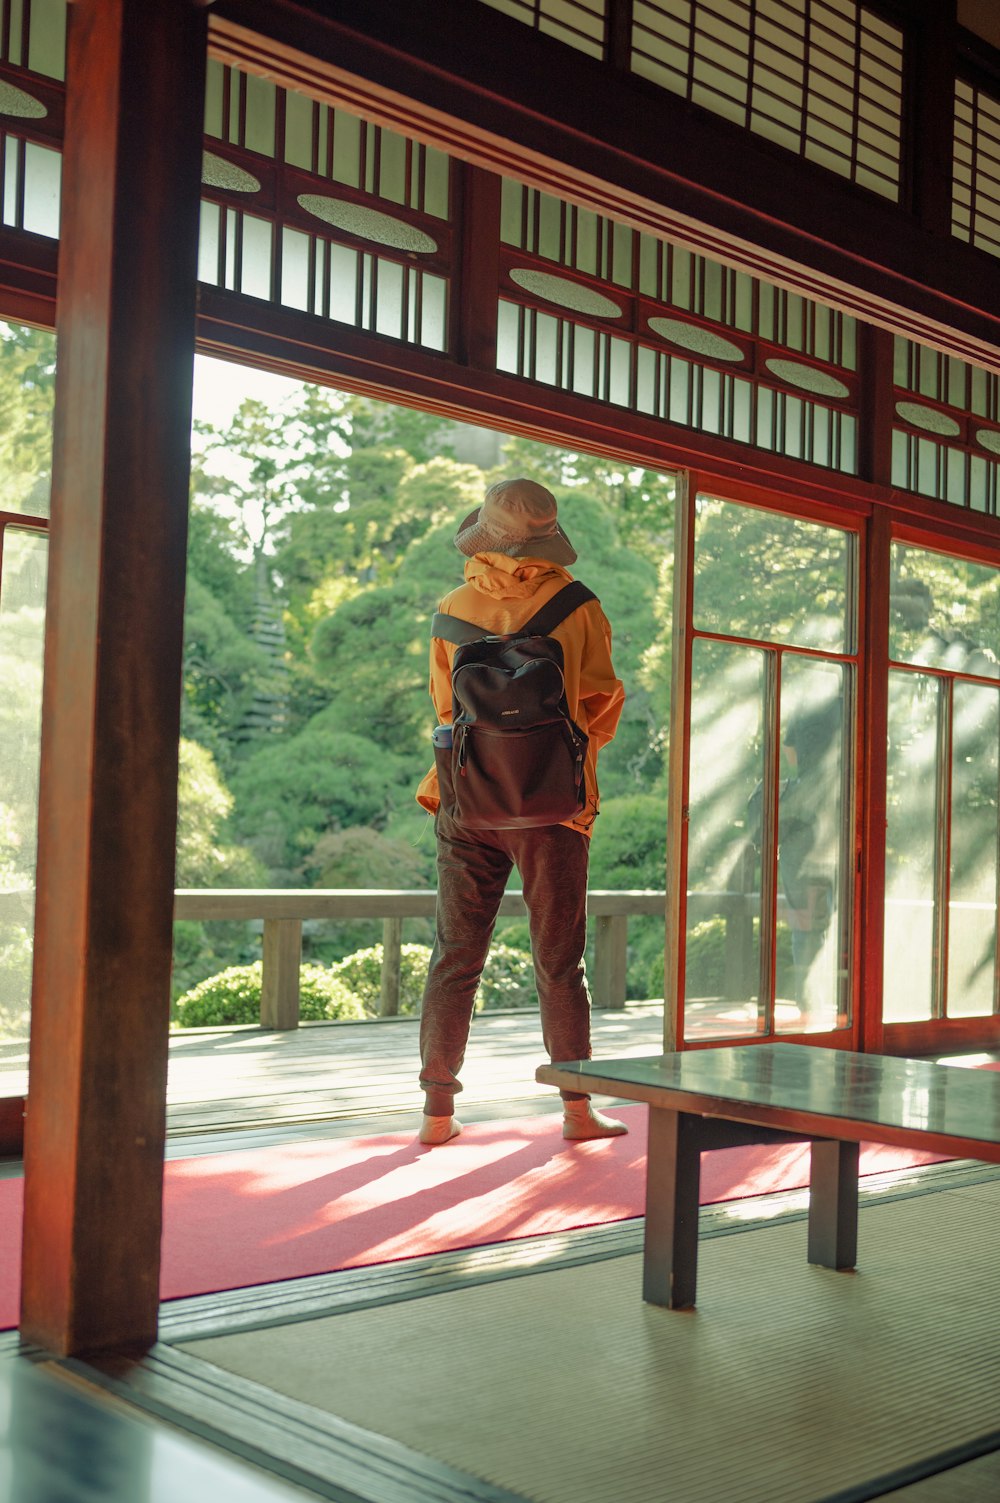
[[493, 93]]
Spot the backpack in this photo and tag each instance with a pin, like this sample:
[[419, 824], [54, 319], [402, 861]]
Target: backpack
[[516, 756]]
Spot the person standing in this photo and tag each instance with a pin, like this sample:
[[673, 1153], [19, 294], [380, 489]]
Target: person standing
[[517, 556]]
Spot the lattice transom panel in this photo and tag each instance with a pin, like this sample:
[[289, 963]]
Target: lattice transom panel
[[33, 36], [320, 211], [579, 23], [593, 307], [976, 181], [946, 436], [823, 78]]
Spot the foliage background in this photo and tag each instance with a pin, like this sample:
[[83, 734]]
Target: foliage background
[[320, 542]]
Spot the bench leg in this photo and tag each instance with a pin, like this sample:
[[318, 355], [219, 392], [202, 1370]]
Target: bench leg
[[673, 1174], [833, 1204]]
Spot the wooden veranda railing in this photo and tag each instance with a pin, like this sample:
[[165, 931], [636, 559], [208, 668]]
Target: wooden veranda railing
[[283, 912]]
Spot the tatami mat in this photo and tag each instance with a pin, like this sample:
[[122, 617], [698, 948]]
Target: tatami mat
[[789, 1384], [975, 1482]]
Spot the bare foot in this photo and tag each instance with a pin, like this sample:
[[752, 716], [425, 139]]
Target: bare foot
[[437, 1130]]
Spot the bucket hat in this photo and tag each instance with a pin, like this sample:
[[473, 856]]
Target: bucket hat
[[518, 518]]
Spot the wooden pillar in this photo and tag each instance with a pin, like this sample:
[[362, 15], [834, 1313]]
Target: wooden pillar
[[392, 967], [281, 973], [610, 959], [107, 809]]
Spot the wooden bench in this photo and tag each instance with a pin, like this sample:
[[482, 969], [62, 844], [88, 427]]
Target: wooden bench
[[782, 1093]]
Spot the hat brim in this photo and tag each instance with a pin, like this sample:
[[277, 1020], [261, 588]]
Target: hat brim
[[474, 537]]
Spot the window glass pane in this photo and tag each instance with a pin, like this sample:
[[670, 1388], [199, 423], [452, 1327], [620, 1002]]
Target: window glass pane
[[392, 167], [255, 269], [47, 40], [814, 808], [772, 578], [213, 98], [972, 908], [944, 612], [260, 115], [389, 308], [295, 270], [42, 175], [722, 968], [22, 627], [910, 857], [298, 130], [208, 243], [436, 179], [432, 312], [346, 149], [27, 385]]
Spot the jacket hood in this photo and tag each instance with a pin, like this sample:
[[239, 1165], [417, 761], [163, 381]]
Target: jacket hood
[[503, 578]]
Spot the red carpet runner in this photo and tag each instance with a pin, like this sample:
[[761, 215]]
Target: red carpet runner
[[254, 1217]]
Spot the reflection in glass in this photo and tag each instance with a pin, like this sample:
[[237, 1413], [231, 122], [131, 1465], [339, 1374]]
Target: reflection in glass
[[910, 856], [22, 628], [722, 969], [944, 612], [972, 908], [27, 387], [813, 823], [772, 578]]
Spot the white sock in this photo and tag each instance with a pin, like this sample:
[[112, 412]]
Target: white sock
[[581, 1120]]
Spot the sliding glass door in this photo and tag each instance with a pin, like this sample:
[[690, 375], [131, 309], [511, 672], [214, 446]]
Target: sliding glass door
[[943, 809], [769, 894]]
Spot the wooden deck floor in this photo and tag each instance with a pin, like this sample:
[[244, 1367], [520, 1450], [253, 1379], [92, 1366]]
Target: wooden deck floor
[[240, 1086], [353, 1078]]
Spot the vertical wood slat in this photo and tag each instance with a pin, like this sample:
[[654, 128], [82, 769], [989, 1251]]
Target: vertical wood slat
[[678, 770], [282, 961], [110, 725], [473, 335], [610, 956], [876, 404], [874, 698], [392, 964]]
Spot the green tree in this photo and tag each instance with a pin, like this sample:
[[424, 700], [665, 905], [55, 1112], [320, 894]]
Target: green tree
[[290, 792], [27, 393]]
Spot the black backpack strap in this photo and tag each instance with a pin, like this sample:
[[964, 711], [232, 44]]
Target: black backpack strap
[[542, 624], [563, 603], [454, 629]]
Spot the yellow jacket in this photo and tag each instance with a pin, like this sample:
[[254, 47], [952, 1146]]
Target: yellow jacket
[[500, 595]]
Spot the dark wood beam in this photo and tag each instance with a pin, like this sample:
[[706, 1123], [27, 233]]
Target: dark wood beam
[[497, 94], [930, 109], [250, 332], [12, 1125], [28, 277], [107, 816]]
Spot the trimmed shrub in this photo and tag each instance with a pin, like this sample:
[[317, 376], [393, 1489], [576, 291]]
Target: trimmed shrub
[[508, 978], [233, 996], [350, 989], [360, 974]]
